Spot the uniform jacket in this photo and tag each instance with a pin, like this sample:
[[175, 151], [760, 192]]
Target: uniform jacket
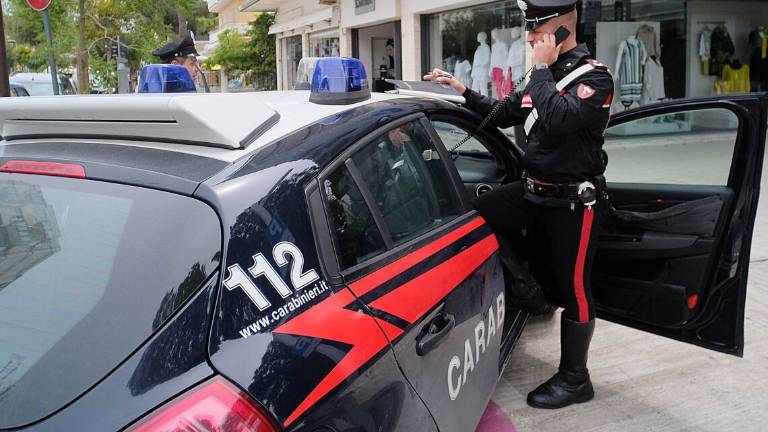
[[565, 144]]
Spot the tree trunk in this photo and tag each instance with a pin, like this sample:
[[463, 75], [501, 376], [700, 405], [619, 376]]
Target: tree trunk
[[182, 22], [83, 79], [5, 88]]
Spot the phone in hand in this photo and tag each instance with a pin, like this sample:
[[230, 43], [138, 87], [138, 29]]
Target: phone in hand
[[561, 34]]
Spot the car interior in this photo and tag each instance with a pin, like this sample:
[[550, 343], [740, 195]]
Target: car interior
[[657, 236]]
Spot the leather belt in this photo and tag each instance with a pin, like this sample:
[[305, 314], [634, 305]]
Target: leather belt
[[552, 190]]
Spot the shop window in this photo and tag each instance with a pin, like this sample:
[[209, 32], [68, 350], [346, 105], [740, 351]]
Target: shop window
[[323, 45], [357, 237], [408, 182], [483, 46], [685, 148]]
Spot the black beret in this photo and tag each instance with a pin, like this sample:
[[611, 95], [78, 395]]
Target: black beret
[[537, 12], [181, 47]]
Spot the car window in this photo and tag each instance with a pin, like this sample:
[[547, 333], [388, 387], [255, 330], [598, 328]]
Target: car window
[[685, 148], [451, 135], [408, 182], [357, 236], [88, 271]]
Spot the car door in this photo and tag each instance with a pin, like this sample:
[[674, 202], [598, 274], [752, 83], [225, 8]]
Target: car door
[[673, 256], [423, 264]]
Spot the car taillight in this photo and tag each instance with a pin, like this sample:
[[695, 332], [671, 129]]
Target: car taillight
[[214, 406], [44, 168]]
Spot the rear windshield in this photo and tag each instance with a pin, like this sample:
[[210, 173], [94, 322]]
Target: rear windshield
[[88, 271]]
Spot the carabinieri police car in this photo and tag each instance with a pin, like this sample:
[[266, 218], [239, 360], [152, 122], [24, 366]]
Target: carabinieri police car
[[310, 260]]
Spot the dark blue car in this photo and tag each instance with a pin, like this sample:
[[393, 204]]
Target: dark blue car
[[257, 262]]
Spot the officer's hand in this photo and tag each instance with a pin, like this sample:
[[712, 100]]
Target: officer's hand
[[545, 50], [444, 77]]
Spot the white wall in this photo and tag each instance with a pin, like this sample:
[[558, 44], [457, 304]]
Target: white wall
[[386, 10], [740, 19]]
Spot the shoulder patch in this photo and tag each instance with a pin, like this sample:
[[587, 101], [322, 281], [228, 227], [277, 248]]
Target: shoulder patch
[[585, 92], [596, 63]]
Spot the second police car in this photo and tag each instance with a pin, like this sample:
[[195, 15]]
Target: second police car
[[309, 261]]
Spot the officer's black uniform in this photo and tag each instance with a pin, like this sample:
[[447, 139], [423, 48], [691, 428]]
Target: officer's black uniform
[[564, 150]]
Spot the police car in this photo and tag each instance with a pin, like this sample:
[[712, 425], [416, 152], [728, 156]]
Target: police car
[[310, 260]]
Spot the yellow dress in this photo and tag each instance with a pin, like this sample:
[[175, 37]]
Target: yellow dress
[[735, 80]]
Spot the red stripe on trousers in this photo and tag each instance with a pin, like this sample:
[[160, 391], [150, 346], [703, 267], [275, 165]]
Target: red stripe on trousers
[[578, 271]]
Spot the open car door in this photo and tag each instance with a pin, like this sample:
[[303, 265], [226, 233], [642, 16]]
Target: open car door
[[673, 256]]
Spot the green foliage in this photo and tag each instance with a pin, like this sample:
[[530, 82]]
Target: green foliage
[[262, 43], [233, 52]]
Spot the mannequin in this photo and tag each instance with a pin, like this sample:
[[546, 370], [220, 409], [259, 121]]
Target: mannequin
[[481, 65], [515, 59], [498, 62], [462, 71]]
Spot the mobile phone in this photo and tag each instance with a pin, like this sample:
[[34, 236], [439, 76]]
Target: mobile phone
[[561, 34]]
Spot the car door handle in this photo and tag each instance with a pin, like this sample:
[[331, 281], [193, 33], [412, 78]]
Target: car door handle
[[434, 333]]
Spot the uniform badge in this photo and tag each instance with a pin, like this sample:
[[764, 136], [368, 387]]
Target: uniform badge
[[585, 92], [527, 102]]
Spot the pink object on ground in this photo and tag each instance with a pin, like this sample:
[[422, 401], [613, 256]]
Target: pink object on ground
[[494, 420]]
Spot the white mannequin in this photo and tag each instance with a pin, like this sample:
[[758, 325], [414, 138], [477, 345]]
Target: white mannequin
[[481, 65], [499, 53], [462, 71], [515, 56]]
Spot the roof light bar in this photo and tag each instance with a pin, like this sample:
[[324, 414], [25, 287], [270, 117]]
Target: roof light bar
[[166, 78], [339, 81]]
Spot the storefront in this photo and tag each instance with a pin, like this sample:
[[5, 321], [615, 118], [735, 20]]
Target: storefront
[[483, 46]]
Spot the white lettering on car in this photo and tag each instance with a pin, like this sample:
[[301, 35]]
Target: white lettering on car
[[459, 372], [284, 253]]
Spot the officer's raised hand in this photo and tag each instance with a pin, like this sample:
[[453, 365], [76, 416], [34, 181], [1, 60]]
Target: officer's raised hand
[[444, 77], [545, 50]]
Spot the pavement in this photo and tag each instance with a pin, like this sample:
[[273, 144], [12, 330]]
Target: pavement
[[644, 382]]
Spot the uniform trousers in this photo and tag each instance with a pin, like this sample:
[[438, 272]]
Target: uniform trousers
[[571, 234]]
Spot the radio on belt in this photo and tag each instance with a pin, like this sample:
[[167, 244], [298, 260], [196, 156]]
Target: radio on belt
[[166, 78], [339, 81]]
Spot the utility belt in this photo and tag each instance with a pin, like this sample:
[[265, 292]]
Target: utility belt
[[584, 192]]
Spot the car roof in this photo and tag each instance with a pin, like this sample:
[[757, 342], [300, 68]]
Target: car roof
[[31, 76], [226, 127]]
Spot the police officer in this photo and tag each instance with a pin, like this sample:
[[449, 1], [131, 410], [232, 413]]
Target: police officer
[[181, 52], [564, 109]]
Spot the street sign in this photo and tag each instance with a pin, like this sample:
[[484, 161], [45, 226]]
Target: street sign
[[39, 5]]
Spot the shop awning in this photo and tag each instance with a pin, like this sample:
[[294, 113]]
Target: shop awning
[[309, 19]]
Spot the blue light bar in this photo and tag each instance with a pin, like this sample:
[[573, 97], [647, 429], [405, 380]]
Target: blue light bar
[[339, 81], [166, 78]]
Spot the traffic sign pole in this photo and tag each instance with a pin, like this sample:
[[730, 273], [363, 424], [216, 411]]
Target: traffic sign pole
[[51, 56]]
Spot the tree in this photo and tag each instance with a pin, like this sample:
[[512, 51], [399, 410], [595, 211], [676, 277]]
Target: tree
[[262, 43]]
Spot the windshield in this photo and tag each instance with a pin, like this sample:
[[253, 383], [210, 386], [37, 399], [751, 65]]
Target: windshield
[[38, 88], [88, 271]]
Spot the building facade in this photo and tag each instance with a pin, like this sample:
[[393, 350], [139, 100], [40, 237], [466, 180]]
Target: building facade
[[657, 49]]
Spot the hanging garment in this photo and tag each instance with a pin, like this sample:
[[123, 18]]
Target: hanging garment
[[721, 50], [647, 35], [461, 72], [629, 70], [705, 48], [515, 64], [497, 75], [758, 59], [653, 82], [736, 79]]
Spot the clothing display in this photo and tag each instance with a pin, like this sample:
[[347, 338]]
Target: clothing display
[[499, 53], [721, 50], [630, 61], [462, 72], [735, 79], [481, 65], [705, 48], [758, 60], [647, 35], [515, 59], [653, 82]]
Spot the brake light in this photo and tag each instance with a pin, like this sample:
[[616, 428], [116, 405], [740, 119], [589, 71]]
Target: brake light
[[44, 168], [215, 405]]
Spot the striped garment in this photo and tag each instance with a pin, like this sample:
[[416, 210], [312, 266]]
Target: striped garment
[[629, 69]]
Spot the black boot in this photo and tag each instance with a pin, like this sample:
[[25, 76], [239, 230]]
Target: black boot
[[571, 383], [523, 292]]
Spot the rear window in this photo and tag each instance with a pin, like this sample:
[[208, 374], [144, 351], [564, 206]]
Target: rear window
[[88, 271]]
